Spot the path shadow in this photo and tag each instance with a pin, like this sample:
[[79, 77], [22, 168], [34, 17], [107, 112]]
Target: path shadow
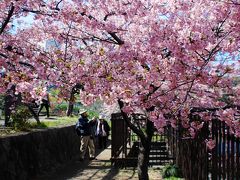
[[75, 168], [111, 174]]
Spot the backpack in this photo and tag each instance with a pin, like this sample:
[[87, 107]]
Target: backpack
[[77, 129]]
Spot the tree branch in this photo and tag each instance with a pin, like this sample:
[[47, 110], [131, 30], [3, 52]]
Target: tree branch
[[116, 38], [202, 109], [10, 13], [112, 34], [36, 12], [57, 8], [26, 64], [139, 132], [3, 55]]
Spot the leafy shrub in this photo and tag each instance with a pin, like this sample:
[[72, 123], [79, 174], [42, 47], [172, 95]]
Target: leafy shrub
[[20, 118], [60, 109], [1, 105], [92, 114], [1, 101], [40, 125], [171, 171]]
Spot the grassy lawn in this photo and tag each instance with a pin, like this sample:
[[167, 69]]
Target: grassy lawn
[[45, 123], [173, 178], [56, 122]]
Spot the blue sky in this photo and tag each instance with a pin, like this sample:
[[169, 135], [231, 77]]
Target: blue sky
[[26, 22]]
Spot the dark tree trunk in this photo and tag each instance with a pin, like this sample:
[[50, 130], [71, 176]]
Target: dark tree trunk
[[75, 90], [7, 109], [11, 100], [35, 115], [145, 144], [70, 104], [144, 151], [143, 161]]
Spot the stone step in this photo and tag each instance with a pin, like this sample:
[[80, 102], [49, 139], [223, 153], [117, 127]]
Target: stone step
[[160, 148], [158, 163], [160, 143], [159, 158], [158, 153]]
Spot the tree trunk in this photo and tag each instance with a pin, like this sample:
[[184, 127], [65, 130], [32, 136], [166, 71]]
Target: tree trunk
[[35, 115], [11, 100], [143, 160], [70, 104], [144, 152], [75, 90], [7, 109], [145, 144]]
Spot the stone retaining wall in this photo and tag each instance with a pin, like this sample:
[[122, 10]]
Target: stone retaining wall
[[24, 156]]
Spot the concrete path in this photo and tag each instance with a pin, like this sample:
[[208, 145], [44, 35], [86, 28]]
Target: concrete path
[[98, 169]]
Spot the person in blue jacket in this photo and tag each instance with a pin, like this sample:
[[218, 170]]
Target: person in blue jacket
[[84, 130]]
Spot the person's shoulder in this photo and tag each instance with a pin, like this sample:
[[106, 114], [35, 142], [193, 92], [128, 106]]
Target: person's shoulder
[[80, 119], [106, 123], [92, 121]]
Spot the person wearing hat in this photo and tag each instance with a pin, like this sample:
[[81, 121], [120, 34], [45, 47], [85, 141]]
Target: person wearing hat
[[102, 132], [83, 128]]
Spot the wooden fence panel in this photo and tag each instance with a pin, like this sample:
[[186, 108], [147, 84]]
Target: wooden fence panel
[[224, 150], [238, 159], [225, 155], [196, 162], [119, 136]]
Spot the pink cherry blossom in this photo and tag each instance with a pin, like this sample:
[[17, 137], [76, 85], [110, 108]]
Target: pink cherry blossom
[[210, 144], [171, 55]]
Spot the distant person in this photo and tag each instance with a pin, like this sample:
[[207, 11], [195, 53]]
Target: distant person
[[94, 123], [84, 130], [102, 132], [45, 103]]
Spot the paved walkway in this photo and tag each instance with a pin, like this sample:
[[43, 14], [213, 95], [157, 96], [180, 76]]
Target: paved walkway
[[98, 169]]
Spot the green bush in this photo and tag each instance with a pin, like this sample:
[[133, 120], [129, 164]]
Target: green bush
[[171, 171], [1, 106], [61, 109], [1, 101], [20, 118], [40, 125], [92, 114]]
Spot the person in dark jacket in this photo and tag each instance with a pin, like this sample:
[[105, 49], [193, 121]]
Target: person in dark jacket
[[84, 129], [45, 103], [102, 132]]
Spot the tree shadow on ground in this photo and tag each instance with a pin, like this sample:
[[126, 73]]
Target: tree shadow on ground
[[75, 169], [114, 173]]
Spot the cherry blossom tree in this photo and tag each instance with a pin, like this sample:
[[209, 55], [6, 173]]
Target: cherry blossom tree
[[169, 59], [21, 60]]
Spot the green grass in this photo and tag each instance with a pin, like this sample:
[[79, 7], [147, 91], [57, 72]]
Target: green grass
[[30, 126], [60, 121], [171, 172], [173, 178]]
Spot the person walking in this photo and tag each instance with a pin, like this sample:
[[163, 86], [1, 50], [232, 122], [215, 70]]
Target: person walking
[[94, 123], [84, 130], [102, 132], [45, 103]]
